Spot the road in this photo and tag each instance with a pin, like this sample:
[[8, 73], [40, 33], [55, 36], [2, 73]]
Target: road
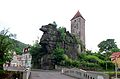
[[48, 75]]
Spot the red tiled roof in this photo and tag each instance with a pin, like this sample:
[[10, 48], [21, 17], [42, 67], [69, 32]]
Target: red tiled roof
[[115, 55], [77, 15]]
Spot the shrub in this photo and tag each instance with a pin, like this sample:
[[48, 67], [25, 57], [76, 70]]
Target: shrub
[[76, 63]]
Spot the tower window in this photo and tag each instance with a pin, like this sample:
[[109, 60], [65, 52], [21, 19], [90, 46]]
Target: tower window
[[74, 20], [79, 33], [74, 26], [79, 19], [77, 25], [73, 31]]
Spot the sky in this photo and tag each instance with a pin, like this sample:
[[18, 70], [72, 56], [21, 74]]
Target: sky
[[25, 17]]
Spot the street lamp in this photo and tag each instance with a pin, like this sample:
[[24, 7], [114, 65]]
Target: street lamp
[[116, 67]]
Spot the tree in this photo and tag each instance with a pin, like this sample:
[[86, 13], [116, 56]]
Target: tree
[[6, 45], [115, 50], [19, 46], [107, 46], [58, 55], [37, 52], [62, 30]]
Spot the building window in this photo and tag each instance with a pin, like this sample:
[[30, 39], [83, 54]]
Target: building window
[[26, 56]]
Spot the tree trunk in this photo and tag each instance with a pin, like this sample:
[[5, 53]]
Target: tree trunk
[[1, 62], [106, 64]]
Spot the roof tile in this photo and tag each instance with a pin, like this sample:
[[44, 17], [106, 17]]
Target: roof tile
[[77, 15]]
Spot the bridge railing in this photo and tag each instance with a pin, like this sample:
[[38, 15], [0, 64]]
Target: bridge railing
[[82, 74], [26, 74]]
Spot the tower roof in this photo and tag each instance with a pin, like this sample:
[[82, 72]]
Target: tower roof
[[77, 15]]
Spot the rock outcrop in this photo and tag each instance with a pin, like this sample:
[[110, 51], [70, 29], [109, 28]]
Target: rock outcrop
[[51, 36]]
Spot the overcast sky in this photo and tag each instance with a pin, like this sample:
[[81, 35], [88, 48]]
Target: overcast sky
[[25, 17]]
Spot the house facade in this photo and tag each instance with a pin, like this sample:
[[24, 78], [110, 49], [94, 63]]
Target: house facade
[[23, 60]]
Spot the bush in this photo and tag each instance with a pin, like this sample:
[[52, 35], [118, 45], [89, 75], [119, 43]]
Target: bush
[[58, 55], [68, 62], [76, 63], [11, 75], [93, 59], [90, 66], [110, 65]]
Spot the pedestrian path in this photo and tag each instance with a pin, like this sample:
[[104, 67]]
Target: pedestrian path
[[48, 75]]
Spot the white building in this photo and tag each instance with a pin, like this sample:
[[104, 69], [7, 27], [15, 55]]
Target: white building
[[16, 60], [23, 60], [26, 60]]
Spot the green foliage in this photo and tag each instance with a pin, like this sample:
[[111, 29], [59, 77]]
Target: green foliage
[[67, 62], [109, 67], [76, 63], [92, 65], [36, 53], [100, 56], [107, 45], [19, 46], [62, 59], [62, 31], [89, 52], [89, 61], [6, 45], [115, 50], [82, 57], [58, 55], [93, 59]]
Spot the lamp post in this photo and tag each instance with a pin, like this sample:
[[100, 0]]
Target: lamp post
[[116, 68]]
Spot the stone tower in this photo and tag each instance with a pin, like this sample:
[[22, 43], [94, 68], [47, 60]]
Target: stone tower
[[78, 27]]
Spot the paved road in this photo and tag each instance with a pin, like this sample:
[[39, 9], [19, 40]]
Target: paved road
[[48, 75]]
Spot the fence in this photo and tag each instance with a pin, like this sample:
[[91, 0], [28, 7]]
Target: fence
[[82, 74]]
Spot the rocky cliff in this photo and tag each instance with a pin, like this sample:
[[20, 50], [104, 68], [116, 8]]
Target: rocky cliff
[[51, 37]]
